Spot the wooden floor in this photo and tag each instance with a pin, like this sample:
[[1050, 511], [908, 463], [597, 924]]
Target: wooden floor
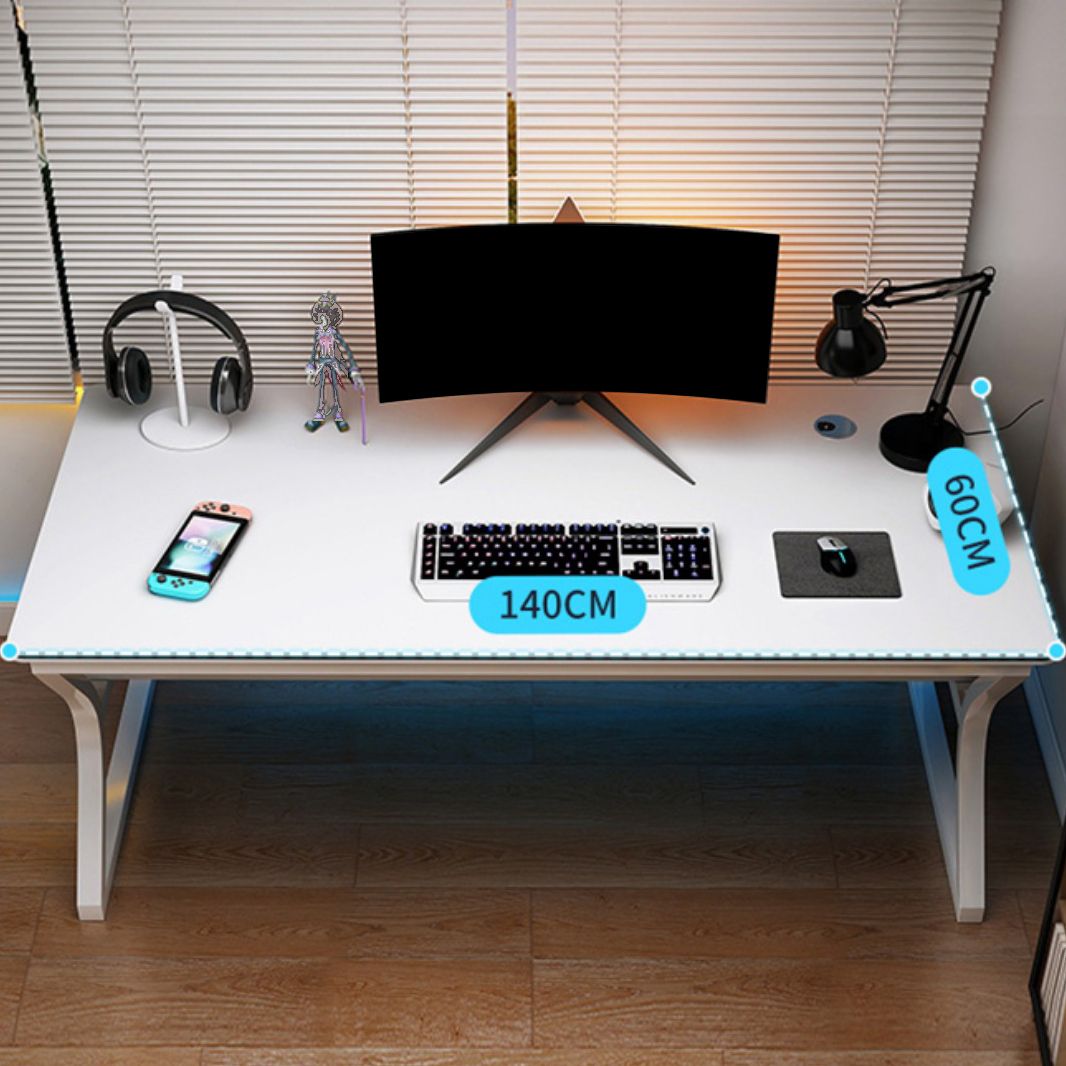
[[507, 874]]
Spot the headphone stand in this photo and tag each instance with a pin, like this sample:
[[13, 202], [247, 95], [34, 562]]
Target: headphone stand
[[205, 429], [180, 428]]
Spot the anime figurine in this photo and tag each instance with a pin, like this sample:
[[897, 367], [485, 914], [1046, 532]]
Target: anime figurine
[[330, 363]]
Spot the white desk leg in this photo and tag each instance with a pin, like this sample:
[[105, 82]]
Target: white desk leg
[[104, 791], [958, 791]]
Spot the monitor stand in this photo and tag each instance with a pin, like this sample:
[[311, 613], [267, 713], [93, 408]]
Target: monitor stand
[[568, 212], [596, 400]]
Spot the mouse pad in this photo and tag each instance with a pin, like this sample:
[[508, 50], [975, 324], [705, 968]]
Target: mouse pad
[[800, 573]]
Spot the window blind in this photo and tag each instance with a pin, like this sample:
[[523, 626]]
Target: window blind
[[35, 361], [253, 145], [849, 127]]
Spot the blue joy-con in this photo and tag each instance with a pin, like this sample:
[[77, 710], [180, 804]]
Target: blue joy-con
[[178, 588]]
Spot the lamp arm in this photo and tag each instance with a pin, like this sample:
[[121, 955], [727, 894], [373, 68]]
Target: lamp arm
[[975, 288], [960, 340], [895, 295]]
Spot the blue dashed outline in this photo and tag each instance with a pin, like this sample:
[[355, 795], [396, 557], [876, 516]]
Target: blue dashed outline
[[665, 655]]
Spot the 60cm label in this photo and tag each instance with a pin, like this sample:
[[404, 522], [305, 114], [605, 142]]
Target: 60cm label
[[558, 604], [964, 503], [970, 527]]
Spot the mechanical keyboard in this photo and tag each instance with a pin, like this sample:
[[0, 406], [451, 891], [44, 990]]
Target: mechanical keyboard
[[673, 561]]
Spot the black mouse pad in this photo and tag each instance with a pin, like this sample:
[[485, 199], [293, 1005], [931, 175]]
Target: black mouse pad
[[800, 573]]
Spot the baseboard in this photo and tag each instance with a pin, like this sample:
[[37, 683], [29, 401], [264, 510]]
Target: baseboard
[[7, 612], [1040, 710]]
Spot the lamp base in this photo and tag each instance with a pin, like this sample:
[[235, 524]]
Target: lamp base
[[911, 441]]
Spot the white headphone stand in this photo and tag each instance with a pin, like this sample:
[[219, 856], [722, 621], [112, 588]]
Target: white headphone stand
[[182, 428]]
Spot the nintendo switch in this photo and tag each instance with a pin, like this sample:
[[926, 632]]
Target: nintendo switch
[[203, 546]]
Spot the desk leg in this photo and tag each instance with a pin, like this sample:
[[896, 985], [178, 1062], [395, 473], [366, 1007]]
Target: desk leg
[[104, 789], [958, 789]]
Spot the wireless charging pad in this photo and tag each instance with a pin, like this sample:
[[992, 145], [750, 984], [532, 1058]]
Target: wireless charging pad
[[835, 426]]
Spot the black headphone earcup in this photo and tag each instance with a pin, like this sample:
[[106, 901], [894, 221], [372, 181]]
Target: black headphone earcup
[[111, 376], [133, 376], [226, 386]]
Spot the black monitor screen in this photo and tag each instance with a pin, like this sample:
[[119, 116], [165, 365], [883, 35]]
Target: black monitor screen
[[565, 307]]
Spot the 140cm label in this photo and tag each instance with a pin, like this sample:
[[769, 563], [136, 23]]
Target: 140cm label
[[558, 604]]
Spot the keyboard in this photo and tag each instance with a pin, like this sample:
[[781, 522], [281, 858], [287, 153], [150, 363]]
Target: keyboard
[[673, 561]]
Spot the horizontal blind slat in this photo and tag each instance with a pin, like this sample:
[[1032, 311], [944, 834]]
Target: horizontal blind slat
[[770, 115], [277, 137]]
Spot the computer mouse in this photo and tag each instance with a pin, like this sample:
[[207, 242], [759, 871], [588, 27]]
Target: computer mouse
[[837, 558]]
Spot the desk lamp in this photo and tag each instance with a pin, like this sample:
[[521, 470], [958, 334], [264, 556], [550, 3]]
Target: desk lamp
[[852, 346]]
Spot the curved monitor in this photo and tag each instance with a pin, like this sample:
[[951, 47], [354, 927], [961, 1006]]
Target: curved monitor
[[595, 307]]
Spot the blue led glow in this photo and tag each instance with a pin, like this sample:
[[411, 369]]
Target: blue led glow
[[655, 655]]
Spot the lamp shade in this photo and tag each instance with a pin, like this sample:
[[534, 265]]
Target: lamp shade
[[851, 345]]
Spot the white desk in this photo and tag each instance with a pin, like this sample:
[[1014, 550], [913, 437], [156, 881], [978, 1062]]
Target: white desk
[[320, 587]]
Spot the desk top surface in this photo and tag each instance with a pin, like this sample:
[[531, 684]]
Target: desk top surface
[[325, 569]]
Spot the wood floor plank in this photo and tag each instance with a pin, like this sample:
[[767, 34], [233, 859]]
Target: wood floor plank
[[1012, 737], [35, 725], [765, 923], [236, 912], [170, 795], [69, 1056], [230, 853], [19, 908], [568, 794], [1018, 791], [881, 1058], [36, 854], [1019, 854], [37, 792], [564, 857], [924, 1004], [308, 922], [12, 976], [866, 795], [494, 1057], [723, 723], [1031, 903], [815, 794], [341, 721], [276, 1002]]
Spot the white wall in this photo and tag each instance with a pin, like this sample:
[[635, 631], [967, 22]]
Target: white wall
[[1049, 513], [1047, 687], [1019, 226], [32, 439]]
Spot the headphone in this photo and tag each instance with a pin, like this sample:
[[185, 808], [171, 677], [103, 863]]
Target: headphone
[[128, 375]]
